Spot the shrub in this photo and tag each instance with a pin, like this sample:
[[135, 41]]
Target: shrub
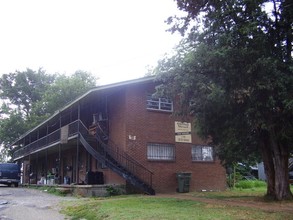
[[112, 191]]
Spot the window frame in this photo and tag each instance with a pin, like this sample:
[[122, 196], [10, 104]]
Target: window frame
[[159, 104], [164, 152], [210, 153]]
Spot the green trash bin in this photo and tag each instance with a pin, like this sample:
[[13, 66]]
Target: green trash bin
[[183, 181]]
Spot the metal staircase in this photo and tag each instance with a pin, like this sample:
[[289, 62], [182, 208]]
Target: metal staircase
[[117, 160]]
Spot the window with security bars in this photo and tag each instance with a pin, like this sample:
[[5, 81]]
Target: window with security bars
[[160, 104], [160, 152], [202, 153]]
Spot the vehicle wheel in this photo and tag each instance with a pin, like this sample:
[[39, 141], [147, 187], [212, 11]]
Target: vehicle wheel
[[15, 184], [9, 184]]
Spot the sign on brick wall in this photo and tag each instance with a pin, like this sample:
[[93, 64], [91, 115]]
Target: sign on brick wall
[[183, 132]]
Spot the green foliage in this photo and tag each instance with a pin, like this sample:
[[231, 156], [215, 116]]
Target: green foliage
[[235, 68], [12, 127], [18, 92], [21, 89], [112, 191], [233, 178], [238, 173], [30, 97], [229, 70], [64, 90], [250, 184]]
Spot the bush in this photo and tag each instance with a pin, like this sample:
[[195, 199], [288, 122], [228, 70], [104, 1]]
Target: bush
[[112, 191]]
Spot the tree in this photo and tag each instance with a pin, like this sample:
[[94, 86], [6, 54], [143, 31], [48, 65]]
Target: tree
[[18, 92], [234, 72], [30, 97], [21, 89], [64, 90], [11, 128]]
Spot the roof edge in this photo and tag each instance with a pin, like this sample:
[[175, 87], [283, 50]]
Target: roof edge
[[98, 88]]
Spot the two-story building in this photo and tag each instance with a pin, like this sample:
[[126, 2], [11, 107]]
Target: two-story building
[[119, 134]]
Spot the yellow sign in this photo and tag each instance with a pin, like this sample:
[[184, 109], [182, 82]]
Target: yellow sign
[[183, 132]]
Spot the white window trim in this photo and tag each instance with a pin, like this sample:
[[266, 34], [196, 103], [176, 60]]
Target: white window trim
[[159, 104], [206, 153], [160, 152]]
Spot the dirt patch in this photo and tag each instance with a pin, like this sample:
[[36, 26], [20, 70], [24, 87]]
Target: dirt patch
[[286, 206]]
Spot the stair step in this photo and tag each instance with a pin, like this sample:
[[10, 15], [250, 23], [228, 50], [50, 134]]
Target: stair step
[[113, 164]]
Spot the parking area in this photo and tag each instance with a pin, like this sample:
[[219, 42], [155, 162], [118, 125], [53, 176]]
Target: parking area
[[23, 203]]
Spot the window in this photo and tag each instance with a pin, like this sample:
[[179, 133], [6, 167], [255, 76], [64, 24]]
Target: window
[[161, 104], [202, 153], [160, 151]]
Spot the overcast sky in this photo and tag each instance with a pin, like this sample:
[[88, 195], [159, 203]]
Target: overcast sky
[[115, 40]]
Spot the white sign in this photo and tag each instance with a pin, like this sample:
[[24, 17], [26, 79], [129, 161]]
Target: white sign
[[183, 132]]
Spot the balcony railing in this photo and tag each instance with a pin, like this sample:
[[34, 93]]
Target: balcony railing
[[50, 139]]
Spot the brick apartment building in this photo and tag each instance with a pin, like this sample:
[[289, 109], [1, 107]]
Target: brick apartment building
[[119, 134]]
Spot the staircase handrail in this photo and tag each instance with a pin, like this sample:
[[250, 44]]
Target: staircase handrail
[[113, 150]]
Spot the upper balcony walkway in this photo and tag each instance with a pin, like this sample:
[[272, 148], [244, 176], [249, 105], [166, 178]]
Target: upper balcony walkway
[[48, 141]]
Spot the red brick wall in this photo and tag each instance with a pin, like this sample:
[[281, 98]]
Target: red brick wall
[[116, 114], [117, 126], [128, 117], [159, 127]]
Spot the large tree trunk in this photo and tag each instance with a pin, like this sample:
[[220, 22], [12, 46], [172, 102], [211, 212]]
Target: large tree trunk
[[275, 157], [281, 157], [268, 166]]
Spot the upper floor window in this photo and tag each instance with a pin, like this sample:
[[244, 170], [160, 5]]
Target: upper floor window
[[161, 104], [160, 151], [202, 153]]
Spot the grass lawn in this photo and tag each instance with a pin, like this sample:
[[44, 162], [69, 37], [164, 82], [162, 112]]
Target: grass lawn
[[156, 207]]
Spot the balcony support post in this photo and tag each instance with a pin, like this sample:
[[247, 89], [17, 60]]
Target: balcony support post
[[77, 160], [77, 147], [59, 165], [29, 170], [37, 166], [46, 165]]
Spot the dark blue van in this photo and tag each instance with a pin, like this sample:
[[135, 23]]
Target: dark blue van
[[9, 174]]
